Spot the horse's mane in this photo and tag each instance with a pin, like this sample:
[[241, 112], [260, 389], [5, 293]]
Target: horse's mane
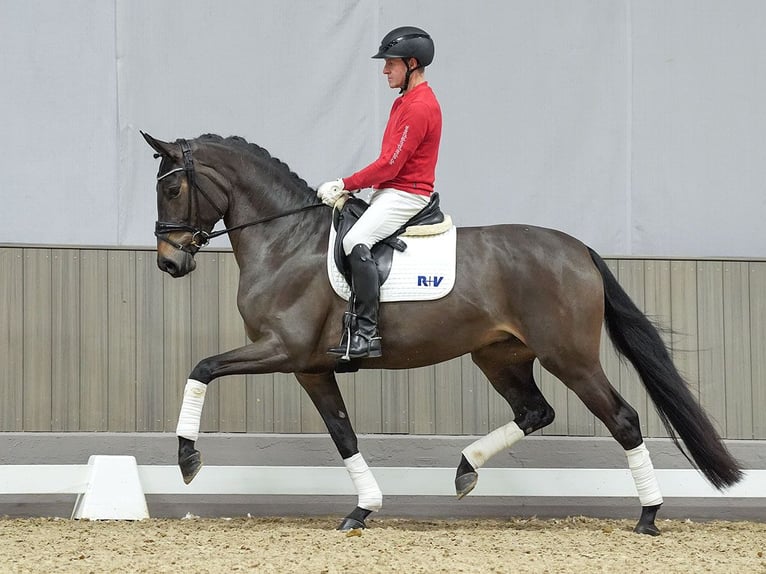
[[257, 151]]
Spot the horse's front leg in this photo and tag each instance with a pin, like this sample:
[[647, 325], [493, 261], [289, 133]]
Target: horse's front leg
[[324, 393], [264, 357]]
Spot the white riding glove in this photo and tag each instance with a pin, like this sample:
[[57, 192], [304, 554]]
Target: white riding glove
[[331, 191]]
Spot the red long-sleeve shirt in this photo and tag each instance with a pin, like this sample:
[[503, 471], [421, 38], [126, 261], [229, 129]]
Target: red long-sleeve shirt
[[410, 146]]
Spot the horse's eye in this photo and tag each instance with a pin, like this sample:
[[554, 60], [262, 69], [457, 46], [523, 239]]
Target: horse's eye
[[173, 191]]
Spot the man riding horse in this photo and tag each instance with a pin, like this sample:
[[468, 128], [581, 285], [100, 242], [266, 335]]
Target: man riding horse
[[505, 321], [402, 179]]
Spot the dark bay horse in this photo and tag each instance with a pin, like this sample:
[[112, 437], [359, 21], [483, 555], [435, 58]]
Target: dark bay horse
[[521, 293]]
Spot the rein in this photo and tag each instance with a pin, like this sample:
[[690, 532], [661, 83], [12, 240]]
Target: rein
[[200, 237]]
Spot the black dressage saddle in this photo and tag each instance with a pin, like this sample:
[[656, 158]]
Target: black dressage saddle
[[383, 251]]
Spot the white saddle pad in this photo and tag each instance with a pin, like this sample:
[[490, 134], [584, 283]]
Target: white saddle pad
[[422, 272]]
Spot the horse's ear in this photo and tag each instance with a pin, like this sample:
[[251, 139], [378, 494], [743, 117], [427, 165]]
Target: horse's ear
[[162, 148]]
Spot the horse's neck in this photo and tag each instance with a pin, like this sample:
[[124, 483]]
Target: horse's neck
[[289, 236]]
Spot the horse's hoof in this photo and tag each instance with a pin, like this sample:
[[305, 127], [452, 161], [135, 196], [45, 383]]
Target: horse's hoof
[[351, 524], [190, 465], [465, 483], [646, 522], [649, 529]]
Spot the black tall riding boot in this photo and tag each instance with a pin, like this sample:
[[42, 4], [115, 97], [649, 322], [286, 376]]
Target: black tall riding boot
[[364, 340]]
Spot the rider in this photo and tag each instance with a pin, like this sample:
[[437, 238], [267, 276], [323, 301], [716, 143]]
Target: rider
[[402, 178]]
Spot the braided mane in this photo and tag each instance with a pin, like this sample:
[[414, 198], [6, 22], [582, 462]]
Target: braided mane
[[257, 151]]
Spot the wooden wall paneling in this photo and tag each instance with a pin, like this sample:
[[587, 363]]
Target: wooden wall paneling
[[422, 408], [37, 340], [366, 393], [205, 328], [395, 401], [500, 412], [712, 368], [84, 308], [150, 344], [685, 334], [94, 327], [556, 393], [758, 346], [65, 341], [738, 385], [176, 344], [260, 403], [11, 338], [475, 390], [121, 343], [448, 397], [232, 392], [658, 308], [287, 403]]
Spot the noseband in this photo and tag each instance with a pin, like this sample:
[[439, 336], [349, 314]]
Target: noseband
[[200, 237]]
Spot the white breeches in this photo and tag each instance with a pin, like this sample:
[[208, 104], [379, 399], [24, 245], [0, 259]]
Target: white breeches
[[389, 210]]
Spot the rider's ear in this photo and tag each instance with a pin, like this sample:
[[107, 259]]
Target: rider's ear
[[162, 148]]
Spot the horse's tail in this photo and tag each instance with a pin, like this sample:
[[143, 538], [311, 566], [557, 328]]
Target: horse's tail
[[637, 339]]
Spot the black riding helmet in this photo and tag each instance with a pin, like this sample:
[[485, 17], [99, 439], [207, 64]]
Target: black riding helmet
[[407, 42]]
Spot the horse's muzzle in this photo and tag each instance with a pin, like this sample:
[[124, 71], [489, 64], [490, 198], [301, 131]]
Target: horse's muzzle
[[175, 262]]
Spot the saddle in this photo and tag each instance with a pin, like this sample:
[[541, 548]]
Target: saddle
[[383, 251]]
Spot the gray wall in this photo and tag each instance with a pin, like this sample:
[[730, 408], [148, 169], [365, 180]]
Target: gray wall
[[633, 125]]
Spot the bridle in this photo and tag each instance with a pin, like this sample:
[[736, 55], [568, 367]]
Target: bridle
[[201, 237]]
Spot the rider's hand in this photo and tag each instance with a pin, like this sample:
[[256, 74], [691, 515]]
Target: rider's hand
[[331, 191]]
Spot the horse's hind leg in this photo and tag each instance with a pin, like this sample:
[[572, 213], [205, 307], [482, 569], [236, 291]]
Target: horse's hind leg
[[324, 393], [602, 399], [509, 368]]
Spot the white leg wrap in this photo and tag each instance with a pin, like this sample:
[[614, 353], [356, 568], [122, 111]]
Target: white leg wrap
[[191, 409], [370, 496], [641, 468], [488, 446]]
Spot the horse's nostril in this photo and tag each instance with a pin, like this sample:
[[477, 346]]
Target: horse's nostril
[[168, 266]]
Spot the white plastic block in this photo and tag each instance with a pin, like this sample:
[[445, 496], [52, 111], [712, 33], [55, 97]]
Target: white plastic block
[[113, 491]]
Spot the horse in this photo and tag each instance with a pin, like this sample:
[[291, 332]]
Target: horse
[[521, 293]]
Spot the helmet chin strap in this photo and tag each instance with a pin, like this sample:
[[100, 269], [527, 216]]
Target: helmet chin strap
[[406, 83]]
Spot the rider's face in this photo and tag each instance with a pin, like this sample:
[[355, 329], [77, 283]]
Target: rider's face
[[395, 70]]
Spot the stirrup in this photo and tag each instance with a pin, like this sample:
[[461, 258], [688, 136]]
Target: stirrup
[[369, 353], [344, 344]]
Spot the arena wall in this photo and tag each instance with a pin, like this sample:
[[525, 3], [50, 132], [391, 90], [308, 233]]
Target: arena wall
[[101, 340]]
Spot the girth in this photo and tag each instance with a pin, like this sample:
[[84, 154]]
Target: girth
[[383, 251]]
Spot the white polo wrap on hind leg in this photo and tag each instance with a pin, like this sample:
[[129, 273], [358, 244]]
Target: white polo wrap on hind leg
[[641, 468], [370, 496], [191, 409], [488, 446]]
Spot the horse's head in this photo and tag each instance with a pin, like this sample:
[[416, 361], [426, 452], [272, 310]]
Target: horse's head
[[186, 210]]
